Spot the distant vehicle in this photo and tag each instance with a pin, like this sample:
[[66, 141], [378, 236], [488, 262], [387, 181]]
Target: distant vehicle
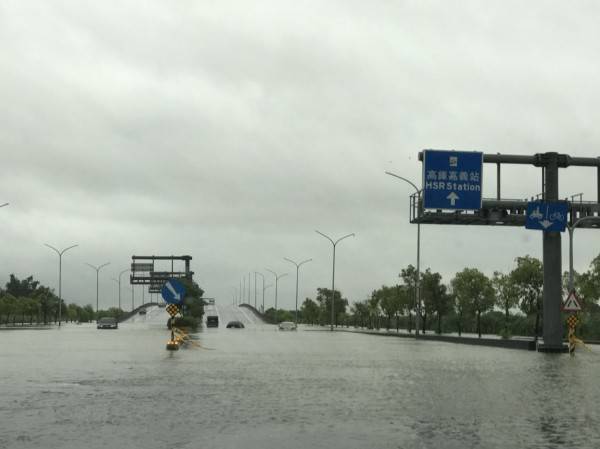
[[162, 305], [235, 325], [212, 321], [210, 302], [107, 323], [143, 312], [287, 326]]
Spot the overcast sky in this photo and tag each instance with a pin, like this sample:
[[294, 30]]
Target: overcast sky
[[230, 131]]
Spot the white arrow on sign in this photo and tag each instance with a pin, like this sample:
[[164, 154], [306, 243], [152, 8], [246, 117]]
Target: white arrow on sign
[[176, 295], [546, 224], [452, 197]]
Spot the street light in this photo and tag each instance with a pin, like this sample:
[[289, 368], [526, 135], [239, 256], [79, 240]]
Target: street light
[[60, 253], [5, 204], [120, 274], [298, 265], [263, 288], [333, 272], [418, 283], [277, 277], [571, 232], [97, 276]]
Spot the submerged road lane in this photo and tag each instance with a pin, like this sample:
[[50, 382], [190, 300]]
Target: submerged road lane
[[79, 387]]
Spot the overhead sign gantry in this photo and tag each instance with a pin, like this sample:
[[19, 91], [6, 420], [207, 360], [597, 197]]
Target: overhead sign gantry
[[451, 201], [143, 273]]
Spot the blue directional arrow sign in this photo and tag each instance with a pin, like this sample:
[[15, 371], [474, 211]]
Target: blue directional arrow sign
[[452, 179], [173, 291], [547, 215]]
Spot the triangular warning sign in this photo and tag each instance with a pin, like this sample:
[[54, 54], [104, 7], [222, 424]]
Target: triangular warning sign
[[572, 303]]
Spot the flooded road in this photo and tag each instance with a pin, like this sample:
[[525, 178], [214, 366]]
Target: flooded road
[[79, 387]]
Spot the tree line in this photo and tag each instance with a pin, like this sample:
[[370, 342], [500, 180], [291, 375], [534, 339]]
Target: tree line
[[27, 301], [505, 304]]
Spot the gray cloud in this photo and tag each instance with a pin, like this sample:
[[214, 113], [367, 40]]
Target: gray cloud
[[231, 131]]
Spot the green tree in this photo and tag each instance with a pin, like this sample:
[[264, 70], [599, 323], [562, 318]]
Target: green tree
[[48, 302], [507, 297], [193, 302], [474, 289], [435, 298], [309, 311], [410, 280], [389, 302], [324, 301], [528, 280], [21, 288]]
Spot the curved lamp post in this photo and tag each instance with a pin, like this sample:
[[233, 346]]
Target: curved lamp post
[[97, 276], [298, 265], [120, 274], [60, 253], [571, 232], [333, 271], [277, 277], [5, 204], [418, 283], [263, 288]]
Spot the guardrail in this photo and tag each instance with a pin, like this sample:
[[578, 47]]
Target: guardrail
[[256, 312], [135, 311]]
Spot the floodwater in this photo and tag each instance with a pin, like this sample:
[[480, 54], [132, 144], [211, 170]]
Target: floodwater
[[79, 387]]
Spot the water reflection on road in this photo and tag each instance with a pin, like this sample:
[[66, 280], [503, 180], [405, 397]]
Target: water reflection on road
[[259, 388]]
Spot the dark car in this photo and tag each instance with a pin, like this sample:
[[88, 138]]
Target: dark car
[[235, 325], [212, 321], [142, 312], [107, 323]]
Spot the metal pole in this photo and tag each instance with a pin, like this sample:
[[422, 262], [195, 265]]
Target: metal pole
[[60, 254], [255, 289], [120, 274], [59, 289], [276, 287], [418, 284], [263, 288], [571, 230], [132, 302], [552, 322], [97, 282], [333, 289], [298, 265], [418, 281], [333, 271], [243, 291]]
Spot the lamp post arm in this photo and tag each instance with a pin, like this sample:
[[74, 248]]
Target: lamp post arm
[[342, 238], [403, 179], [326, 236], [53, 248], [67, 248]]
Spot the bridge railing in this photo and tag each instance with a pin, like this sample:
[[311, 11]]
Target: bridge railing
[[135, 311]]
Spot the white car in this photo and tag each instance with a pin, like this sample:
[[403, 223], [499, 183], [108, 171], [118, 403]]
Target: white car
[[287, 326]]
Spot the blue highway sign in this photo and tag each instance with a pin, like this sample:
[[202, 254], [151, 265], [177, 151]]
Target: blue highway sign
[[452, 179], [547, 215], [173, 291]]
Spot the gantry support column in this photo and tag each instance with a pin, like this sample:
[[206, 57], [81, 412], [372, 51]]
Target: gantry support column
[[552, 325]]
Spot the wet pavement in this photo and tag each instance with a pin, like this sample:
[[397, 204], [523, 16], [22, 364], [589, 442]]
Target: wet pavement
[[79, 387]]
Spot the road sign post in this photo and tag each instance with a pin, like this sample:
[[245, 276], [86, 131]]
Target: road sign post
[[452, 179]]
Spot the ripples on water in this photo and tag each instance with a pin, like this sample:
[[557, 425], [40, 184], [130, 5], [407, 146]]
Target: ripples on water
[[258, 388]]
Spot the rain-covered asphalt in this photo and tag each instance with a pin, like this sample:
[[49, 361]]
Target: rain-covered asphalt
[[79, 387]]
